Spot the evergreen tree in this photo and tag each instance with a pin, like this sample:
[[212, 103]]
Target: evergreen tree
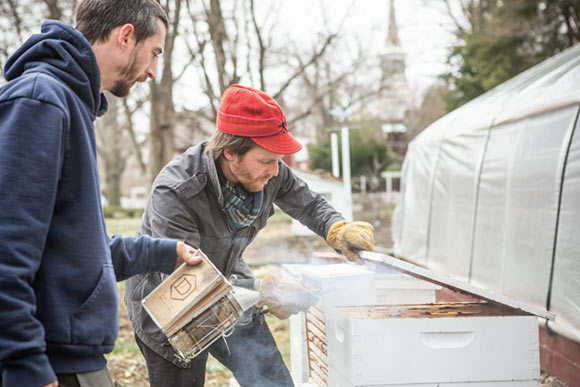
[[369, 154], [500, 39]]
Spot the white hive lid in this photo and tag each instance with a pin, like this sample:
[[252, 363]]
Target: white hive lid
[[447, 281]]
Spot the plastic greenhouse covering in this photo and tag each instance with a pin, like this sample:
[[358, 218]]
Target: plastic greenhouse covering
[[491, 192]]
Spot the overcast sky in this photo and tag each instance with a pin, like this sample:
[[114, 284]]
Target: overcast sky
[[425, 29], [425, 32]]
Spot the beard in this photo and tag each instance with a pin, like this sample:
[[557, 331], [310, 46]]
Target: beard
[[256, 185], [121, 88], [239, 172], [250, 183], [128, 78]]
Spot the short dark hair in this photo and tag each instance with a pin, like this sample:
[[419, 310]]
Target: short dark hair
[[97, 18], [221, 141]]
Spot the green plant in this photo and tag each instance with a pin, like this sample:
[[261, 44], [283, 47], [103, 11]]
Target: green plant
[[279, 217], [369, 154], [123, 226]]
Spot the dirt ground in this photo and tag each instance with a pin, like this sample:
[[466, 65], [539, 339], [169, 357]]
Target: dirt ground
[[273, 246]]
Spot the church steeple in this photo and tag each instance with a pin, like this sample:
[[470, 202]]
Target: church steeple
[[393, 56], [396, 97], [393, 36]]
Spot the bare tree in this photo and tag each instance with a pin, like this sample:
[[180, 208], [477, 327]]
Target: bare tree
[[328, 86], [162, 119], [212, 48], [115, 133], [114, 148], [20, 18], [228, 42], [220, 36], [136, 145]]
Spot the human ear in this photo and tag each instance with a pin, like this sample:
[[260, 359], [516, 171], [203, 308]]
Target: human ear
[[124, 35], [228, 155]]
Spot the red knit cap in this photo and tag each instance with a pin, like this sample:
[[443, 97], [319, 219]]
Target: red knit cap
[[248, 112]]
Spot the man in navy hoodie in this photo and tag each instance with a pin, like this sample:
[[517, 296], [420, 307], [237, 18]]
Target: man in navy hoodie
[[58, 267]]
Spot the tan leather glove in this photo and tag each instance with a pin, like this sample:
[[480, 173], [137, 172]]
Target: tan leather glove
[[349, 237], [285, 297]]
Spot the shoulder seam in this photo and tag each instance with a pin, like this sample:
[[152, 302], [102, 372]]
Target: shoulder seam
[[35, 77], [38, 100]]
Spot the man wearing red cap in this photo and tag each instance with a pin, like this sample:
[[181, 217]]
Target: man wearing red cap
[[217, 196]]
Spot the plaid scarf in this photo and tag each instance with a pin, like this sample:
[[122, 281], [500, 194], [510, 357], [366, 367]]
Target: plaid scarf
[[241, 205]]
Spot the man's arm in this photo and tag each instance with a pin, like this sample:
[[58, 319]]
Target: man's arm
[[135, 255], [312, 210], [309, 208], [31, 156]]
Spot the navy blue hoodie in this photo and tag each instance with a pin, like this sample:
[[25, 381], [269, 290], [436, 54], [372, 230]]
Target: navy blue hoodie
[[58, 267]]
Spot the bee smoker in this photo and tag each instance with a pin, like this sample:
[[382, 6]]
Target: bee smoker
[[197, 305]]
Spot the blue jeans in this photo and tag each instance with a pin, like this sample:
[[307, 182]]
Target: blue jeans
[[251, 354]]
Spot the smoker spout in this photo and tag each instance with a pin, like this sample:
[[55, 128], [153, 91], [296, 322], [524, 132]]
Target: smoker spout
[[245, 297]]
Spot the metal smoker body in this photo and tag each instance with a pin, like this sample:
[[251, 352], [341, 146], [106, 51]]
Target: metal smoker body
[[197, 305]]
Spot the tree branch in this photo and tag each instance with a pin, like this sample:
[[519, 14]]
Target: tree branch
[[219, 37], [303, 67], [209, 89], [261, 47], [17, 19], [131, 131], [452, 16], [54, 11]]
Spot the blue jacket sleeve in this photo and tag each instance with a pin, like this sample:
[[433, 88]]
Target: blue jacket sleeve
[[31, 155], [135, 255]]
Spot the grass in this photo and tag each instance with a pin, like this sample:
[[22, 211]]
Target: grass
[[123, 226], [126, 348], [281, 332], [279, 217], [386, 211]]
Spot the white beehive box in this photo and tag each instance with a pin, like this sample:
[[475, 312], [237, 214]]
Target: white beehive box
[[400, 288], [339, 381], [493, 342], [340, 284], [298, 349], [344, 285], [381, 346]]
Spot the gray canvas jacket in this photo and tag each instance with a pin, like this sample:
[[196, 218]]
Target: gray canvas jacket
[[186, 203]]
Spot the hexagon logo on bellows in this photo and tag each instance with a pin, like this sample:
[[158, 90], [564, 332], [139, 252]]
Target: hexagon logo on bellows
[[182, 287]]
